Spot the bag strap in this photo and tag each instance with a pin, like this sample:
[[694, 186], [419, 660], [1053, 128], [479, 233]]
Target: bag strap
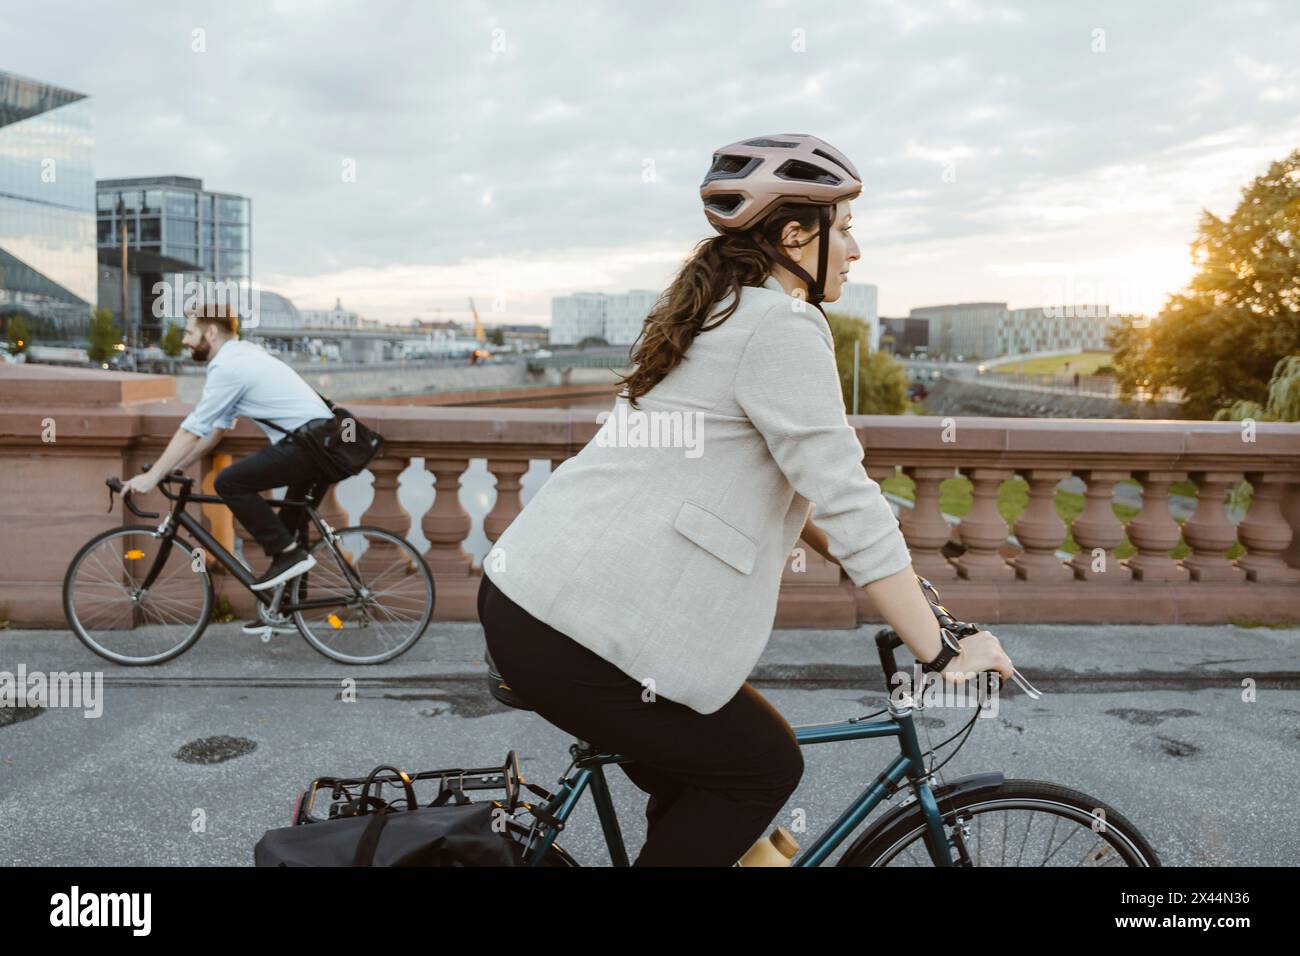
[[369, 842], [271, 424]]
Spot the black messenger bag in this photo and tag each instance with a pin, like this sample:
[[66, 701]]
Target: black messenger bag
[[340, 446]]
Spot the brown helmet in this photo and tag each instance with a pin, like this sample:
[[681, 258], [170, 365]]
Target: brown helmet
[[750, 178]]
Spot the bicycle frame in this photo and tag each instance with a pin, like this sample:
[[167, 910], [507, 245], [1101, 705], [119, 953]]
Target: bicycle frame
[[179, 518], [910, 763]]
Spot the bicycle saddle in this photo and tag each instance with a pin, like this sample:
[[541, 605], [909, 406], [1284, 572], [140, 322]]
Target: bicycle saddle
[[500, 689]]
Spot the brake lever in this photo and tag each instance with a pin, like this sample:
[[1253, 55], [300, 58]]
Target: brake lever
[[961, 629]]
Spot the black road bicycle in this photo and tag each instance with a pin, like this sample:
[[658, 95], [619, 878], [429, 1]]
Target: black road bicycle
[[142, 594]]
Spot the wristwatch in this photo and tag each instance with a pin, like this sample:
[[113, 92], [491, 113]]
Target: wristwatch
[[951, 648]]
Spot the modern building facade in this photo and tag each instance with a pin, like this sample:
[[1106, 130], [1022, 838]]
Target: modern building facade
[[983, 330], [617, 318], [47, 204], [174, 216]]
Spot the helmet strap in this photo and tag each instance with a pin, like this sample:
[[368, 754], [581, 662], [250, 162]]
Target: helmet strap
[[817, 286]]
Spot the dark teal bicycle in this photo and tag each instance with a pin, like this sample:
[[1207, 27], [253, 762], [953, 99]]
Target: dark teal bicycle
[[977, 820]]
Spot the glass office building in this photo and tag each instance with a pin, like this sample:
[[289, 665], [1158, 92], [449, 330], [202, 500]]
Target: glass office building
[[176, 217], [48, 265]]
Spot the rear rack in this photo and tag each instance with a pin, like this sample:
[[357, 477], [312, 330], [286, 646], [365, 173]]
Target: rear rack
[[346, 793]]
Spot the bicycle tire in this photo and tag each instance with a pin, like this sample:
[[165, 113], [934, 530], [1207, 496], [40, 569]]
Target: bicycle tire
[[903, 829], [74, 620], [327, 560]]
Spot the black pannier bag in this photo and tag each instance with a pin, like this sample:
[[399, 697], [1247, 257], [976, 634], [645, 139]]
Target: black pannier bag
[[340, 446], [365, 830]]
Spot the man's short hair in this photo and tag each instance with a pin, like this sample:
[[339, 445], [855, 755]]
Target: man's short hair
[[224, 318]]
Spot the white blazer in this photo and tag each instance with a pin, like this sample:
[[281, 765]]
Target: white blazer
[[660, 546]]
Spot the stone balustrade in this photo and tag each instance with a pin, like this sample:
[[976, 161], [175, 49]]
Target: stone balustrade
[[62, 432]]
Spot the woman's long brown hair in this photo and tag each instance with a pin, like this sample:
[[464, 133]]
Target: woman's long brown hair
[[719, 264]]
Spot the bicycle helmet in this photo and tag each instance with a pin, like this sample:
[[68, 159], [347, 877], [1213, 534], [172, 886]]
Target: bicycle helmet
[[750, 178]]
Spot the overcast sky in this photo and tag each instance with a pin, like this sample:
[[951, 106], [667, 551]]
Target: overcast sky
[[1028, 152]]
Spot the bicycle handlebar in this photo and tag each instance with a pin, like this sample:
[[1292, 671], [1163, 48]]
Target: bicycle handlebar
[[887, 639], [115, 487]]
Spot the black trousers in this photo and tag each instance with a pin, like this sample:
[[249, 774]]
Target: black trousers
[[716, 781], [274, 466]]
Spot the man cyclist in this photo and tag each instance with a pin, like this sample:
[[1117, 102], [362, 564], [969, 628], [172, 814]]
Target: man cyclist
[[243, 379]]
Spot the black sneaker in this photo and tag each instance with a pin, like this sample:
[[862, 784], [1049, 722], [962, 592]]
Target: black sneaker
[[288, 565]]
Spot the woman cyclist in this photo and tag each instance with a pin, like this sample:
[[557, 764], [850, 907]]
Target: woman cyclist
[[630, 599]]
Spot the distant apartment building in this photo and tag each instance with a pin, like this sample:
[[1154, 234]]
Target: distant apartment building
[[48, 267], [615, 317], [968, 329], [335, 318], [858, 299], [989, 329], [1053, 328], [577, 316]]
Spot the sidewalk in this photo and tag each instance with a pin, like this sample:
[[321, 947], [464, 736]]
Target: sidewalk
[[1075, 657]]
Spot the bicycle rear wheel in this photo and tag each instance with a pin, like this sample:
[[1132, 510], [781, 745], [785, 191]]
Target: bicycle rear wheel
[[1016, 823], [108, 609], [382, 619]]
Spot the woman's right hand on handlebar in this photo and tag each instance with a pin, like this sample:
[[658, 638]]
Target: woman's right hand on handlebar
[[980, 652]]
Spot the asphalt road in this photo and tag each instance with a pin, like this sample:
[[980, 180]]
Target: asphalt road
[[226, 736]]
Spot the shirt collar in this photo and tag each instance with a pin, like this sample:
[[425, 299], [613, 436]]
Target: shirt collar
[[217, 354], [771, 283]]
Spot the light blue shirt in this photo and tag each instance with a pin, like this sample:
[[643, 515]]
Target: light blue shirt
[[246, 380]]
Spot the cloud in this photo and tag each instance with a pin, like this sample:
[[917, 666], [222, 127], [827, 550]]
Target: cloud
[[562, 145]]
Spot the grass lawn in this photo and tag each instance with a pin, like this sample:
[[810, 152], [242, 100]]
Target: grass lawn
[[1013, 498], [1085, 363]]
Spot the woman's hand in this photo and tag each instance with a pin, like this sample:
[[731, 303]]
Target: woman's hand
[[980, 652]]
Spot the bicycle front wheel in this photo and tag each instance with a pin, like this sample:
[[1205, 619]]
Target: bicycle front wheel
[[377, 593], [1017, 823], [110, 610]]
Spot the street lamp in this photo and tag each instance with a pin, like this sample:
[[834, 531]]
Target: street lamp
[[128, 327]]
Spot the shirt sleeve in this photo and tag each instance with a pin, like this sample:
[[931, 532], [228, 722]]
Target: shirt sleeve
[[788, 386], [216, 407]]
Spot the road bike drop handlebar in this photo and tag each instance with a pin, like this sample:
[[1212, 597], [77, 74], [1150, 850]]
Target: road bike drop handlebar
[[887, 639], [115, 487]]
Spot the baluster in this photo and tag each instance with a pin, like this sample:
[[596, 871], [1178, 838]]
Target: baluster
[[1097, 526], [385, 512], [923, 525], [509, 475], [1040, 530], [1209, 532], [1154, 532], [983, 530], [447, 524], [1263, 531]]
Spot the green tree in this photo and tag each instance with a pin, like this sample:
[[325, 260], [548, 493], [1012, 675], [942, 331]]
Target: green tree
[[882, 380], [496, 337], [104, 334], [1221, 338], [19, 335], [171, 341]]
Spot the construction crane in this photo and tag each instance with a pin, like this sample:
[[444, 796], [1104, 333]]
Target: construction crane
[[478, 325]]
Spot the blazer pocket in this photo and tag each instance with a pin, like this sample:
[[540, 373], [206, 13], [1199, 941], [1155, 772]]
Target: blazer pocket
[[716, 536]]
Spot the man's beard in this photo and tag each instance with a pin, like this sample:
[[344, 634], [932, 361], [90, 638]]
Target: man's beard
[[201, 352]]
